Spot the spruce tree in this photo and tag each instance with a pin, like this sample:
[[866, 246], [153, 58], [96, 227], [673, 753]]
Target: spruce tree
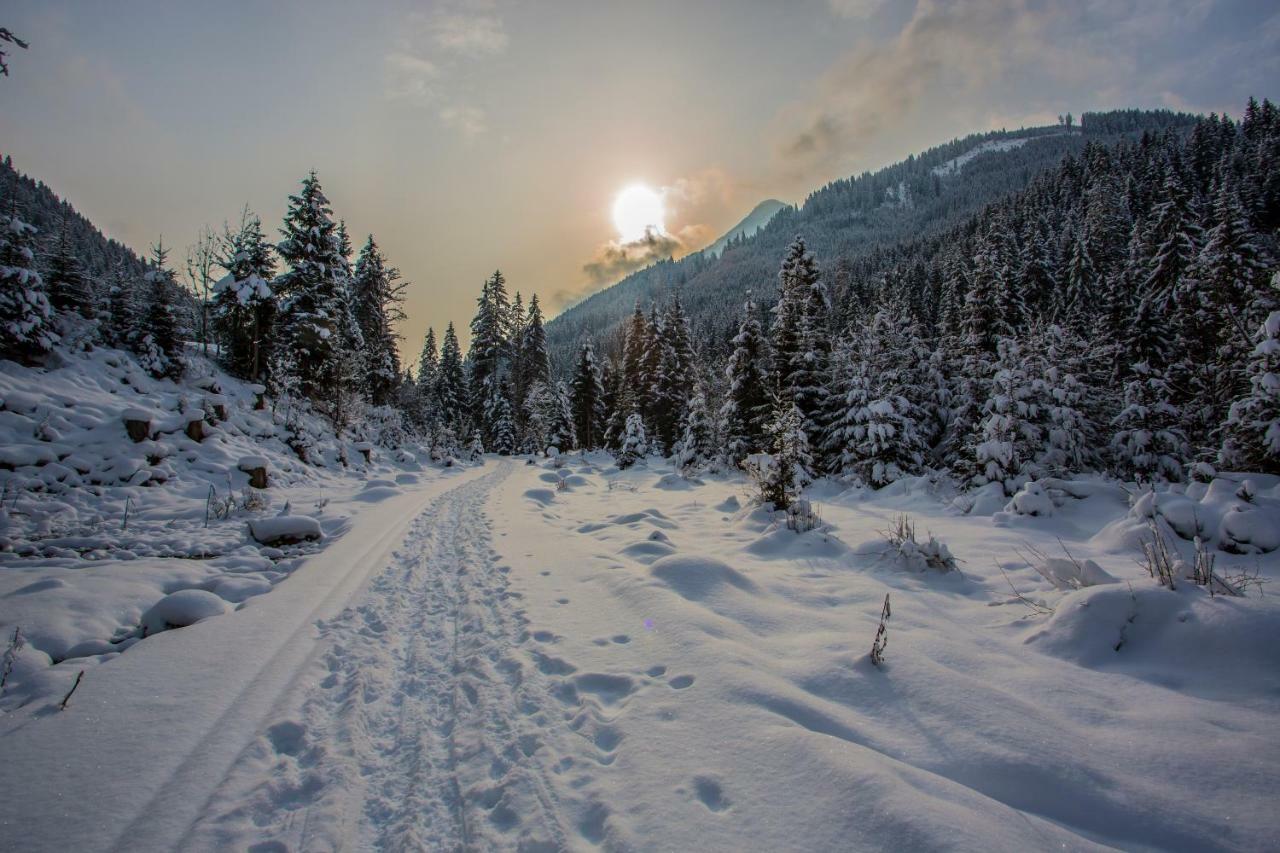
[[316, 320], [747, 408], [1147, 444], [588, 400], [697, 445], [69, 287], [489, 349], [244, 304], [122, 310], [1008, 437], [675, 376], [160, 344], [379, 294], [426, 405], [1252, 429], [451, 385], [25, 313], [634, 444]]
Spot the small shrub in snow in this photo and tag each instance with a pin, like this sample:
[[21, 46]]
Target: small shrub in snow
[[11, 655], [881, 641], [65, 699], [802, 516], [930, 554], [1160, 558]]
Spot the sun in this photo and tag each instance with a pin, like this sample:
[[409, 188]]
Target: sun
[[636, 210]]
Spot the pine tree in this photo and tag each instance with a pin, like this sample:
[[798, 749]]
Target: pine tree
[[588, 400], [160, 345], [1004, 444], [379, 294], [489, 351], [1252, 428], [25, 313], [1147, 444], [451, 384], [675, 376], [316, 320], [798, 273], [502, 424], [1068, 436], [746, 409], [875, 429], [534, 364], [561, 431], [122, 310], [697, 445], [69, 287], [426, 405], [634, 443], [782, 474], [244, 305]]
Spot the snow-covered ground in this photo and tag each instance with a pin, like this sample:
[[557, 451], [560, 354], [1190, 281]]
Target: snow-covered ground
[[542, 656]]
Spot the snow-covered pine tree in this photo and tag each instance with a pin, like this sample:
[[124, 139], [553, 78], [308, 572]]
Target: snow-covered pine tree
[[26, 317], [534, 368], [634, 444], [875, 429], [244, 305], [675, 376], [1252, 428], [797, 274], [451, 385], [746, 409], [561, 432], [1174, 236], [379, 294], [697, 446], [160, 343], [489, 351], [1065, 404], [502, 424], [651, 370], [426, 409], [782, 474], [122, 310], [1006, 440], [69, 287], [316, 320], [588, 400], [1147, 444]]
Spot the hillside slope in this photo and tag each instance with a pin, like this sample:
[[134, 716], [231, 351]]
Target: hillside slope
[[923, 195]]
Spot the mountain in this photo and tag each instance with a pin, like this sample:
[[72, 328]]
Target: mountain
[[922, 196], [755, 220]]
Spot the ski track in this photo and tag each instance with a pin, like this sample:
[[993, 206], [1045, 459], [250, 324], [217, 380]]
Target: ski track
[[424, 728]]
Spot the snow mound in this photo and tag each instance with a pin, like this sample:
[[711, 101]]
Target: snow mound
[[180, 609], [674, 483], [285, 529], [1181, 639], [779, 542], [541, 496], [1032, 499], [697, 578], [1239, 517], [1065, 573]]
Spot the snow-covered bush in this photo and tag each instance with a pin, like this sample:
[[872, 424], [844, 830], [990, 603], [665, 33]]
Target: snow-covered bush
[[914, 554], [780, 476], [634, 444]]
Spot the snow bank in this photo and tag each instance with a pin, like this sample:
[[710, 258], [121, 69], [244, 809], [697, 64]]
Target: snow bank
[[285, 529], [180, 609], [697, 578]]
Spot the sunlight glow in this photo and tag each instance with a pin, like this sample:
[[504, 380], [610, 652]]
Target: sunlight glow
[[636, 210]]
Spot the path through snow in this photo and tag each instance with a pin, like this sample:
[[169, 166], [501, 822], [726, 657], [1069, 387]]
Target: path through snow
[[426, 727]]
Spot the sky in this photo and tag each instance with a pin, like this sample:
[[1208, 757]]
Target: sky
[[474, 135]]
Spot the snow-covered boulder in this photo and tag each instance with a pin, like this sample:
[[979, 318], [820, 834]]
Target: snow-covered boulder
[[285, 529], [697, 578], [180, 609]]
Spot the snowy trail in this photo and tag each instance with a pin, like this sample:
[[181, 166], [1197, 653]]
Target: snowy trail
[[424, 728], [179, 709]]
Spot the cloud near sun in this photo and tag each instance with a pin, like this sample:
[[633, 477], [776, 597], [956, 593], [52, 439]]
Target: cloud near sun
[[676, 227]]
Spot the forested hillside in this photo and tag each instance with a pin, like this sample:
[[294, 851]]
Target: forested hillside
[[922, 195]]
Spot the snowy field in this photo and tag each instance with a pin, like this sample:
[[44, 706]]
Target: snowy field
[[559, 655]]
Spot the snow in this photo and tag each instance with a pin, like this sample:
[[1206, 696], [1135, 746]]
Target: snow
[[955, 165], [285, 529], [482, 659], [181, 609]]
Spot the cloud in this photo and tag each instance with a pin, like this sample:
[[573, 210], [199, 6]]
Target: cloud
[[614, 260], [409, 76], [467, 119], [467, 33], [957, 64], [856, 9], [432, 54]]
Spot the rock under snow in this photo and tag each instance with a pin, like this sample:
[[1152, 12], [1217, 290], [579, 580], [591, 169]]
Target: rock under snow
[[180, 609], [285, 529]]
